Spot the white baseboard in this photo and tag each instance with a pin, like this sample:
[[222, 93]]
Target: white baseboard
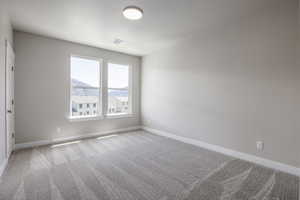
[[244, 156], [68, 139], [3, 166]]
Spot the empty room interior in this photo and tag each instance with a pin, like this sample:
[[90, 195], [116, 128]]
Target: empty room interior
[[149, 99]]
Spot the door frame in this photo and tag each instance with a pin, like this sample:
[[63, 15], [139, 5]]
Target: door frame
[[8, 138]]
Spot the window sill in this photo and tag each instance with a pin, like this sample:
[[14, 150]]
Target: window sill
[[91, 118], [117, 116], [87, 118]]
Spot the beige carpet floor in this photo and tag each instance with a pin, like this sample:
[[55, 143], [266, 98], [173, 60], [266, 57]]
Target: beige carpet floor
[[139, 166]]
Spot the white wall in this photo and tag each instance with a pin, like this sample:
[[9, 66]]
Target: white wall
[[5, 33], [42, 86], [231, 87]]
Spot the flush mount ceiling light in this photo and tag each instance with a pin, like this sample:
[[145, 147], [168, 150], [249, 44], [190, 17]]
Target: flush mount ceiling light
[[133, 12]]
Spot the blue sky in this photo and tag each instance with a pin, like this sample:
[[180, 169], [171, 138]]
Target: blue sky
[[117, 76], [87, 71]]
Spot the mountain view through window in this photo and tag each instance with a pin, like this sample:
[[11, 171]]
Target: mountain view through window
[[86, 88], [118, 85], [85, 81]]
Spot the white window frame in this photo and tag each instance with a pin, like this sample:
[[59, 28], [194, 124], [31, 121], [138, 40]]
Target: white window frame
[[100, 102], [130, 89], [103, 96]]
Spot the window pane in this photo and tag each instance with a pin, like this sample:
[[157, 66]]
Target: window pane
[[118, 76], [117, 101], [85, 75]]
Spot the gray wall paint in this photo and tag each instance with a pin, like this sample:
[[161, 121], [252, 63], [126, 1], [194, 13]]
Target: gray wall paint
[[231, 87], [42, 87], [5, 33]]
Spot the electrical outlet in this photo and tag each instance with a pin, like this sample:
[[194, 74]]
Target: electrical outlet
[[260, 145], [58, 130]]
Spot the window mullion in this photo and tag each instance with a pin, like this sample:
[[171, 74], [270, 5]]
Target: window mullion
[[100, 102], [104, 89]]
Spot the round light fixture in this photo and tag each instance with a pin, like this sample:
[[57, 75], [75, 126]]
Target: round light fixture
[[133, 12]]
